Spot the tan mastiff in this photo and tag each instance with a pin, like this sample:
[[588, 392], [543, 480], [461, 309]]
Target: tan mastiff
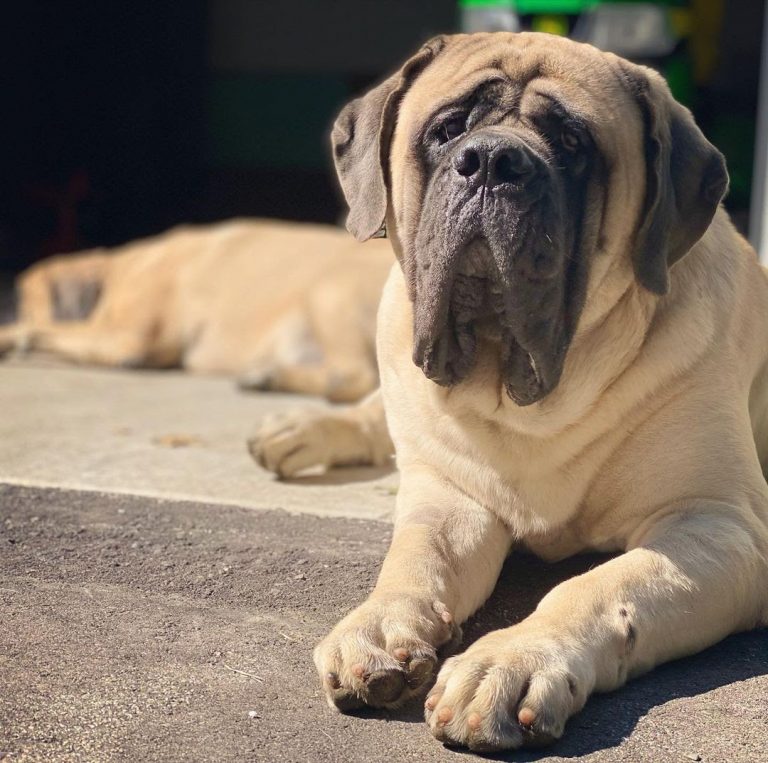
[[573, 356], [290, 306]]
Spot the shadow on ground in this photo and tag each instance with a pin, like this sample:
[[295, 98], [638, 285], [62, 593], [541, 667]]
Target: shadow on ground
[[608, 719], [344, 475]]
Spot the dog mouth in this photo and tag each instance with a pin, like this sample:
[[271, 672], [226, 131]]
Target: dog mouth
[[479, 302]]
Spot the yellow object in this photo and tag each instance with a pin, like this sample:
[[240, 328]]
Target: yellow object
[[680, 21], [551, 24], [706, 20]]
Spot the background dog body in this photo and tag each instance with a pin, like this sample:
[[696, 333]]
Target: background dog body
[[290, 306]]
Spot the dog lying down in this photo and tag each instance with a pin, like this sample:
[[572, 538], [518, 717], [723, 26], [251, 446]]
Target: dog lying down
[[573, 351], [288, 306]]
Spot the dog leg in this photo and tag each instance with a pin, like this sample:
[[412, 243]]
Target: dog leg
[[82, 342], [342, 319], [291, 442], [445, 558], [324, 350], [335, 384], [297, 357], [695, 577]]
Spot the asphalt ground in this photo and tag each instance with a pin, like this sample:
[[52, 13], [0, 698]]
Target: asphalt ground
[[139, 629]]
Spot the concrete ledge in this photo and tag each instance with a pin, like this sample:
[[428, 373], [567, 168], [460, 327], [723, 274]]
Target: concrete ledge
[[161, 434]]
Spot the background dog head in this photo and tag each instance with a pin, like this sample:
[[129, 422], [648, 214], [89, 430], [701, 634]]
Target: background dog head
[[515, 172]]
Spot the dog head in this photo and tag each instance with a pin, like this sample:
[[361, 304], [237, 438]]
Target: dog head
[[508, 167]]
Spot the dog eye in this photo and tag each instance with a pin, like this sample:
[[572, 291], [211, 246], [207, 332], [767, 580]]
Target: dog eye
[[571, 138], [452, 128]]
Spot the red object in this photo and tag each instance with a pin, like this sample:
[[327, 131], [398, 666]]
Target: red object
[[64, 200]]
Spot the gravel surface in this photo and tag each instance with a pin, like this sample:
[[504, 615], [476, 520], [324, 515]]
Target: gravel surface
[[135, 629]]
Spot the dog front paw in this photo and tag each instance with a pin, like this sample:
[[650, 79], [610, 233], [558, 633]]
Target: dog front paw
[[292, 442], [384, 652], [256, 379], [513, 688]]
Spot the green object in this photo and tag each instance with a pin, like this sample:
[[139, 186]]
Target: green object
[[734, 135], [525, 7], [532, 6], [679, 75]]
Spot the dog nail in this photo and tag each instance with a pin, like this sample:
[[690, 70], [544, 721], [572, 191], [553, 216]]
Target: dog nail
[[432, 701], [358, 670], [420, 671], [474, 721], [526, 716], [401, 655], [385, 686], [333, 680], [446, 617], [445, 715], [347, 701]]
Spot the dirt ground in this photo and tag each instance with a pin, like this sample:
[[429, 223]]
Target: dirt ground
[[136, 629]]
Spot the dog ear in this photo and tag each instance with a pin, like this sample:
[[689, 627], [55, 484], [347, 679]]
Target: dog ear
[[360, 139], [685, 180]]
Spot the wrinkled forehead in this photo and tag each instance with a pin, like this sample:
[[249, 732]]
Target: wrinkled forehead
[[579, 76]]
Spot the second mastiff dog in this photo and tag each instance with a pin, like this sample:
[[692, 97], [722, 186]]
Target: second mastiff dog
[[288, 307], [573, 355]]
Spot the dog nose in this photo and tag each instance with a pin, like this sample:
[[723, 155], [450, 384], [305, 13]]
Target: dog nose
[[494, 161]]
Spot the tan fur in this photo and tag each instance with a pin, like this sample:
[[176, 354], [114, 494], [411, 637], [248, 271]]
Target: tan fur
[[291, 442], [291, 306], [654, 444]]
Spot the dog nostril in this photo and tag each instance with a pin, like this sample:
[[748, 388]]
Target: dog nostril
[[511, 166], [467, 163]]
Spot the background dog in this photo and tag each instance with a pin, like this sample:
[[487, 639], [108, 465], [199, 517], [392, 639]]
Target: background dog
[[573, 351], [291, 307]]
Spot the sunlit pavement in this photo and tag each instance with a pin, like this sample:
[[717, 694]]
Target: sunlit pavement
[[161, 434]]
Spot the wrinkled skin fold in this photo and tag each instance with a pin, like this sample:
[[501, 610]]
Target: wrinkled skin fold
[[499, 267], [501, 247]]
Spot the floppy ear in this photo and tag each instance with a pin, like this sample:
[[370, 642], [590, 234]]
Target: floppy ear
[[360, 139], [685, 180]]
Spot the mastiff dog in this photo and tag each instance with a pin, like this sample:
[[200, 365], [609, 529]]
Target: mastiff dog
[[573, 353], [288, 307]]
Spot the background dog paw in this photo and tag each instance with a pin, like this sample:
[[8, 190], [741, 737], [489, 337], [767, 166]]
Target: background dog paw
[[258, 379], [289, 443], [293, 442]]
